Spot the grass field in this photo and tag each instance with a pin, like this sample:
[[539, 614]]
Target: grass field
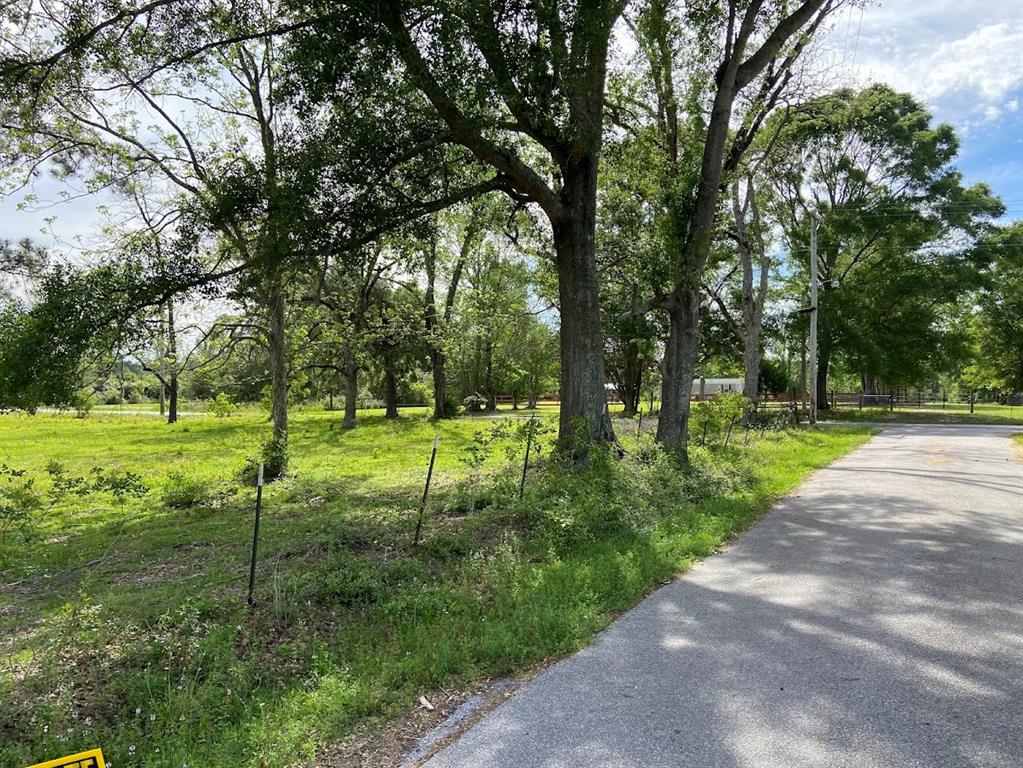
[[125, 626], [984, 413]]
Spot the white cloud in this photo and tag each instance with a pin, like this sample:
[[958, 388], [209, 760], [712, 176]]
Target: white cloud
[[992, 113], [988, 61], [961, 58]]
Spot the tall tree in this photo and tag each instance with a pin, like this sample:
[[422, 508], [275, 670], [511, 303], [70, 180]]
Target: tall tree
[[718, 51], [894, 219], [997, 327], [522, 86], [748, 231]]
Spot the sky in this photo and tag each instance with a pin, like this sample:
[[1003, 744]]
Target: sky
[[962, 58]]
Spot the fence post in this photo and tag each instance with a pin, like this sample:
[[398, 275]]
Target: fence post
[[861, 399], [891, 402], [944, 397], [255, 532], [971, 399], [426, 491]]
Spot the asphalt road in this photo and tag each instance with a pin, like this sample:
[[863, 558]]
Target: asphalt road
[[873, 620]]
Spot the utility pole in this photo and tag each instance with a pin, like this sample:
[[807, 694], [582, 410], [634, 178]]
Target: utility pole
[[813, 317]]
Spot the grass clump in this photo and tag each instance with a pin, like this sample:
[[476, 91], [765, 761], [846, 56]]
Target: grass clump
[[183, 488], [126, 626]]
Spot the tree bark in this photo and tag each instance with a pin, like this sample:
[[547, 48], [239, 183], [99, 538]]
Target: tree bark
[[583, 394], [390, 393], [680, 352], [823, 363], [438, 365], [351, 395]]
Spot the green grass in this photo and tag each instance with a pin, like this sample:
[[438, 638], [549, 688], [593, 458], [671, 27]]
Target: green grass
[[128, 629], [984, 413]]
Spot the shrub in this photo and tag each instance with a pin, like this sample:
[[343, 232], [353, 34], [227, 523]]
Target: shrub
[[273, 452], [122, 485], [418, 393], [568, 508], [275, 457], [451, 405], [186, 489], [714, 419], [19, 501], [221, 406], [82, 403]]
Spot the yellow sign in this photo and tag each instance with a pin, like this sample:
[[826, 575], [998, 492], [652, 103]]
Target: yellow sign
[[91, 759]]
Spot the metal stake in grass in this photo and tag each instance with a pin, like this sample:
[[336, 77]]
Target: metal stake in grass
[[525, 463], [426, 492], [728, 434], [639, 429], [255, 531]]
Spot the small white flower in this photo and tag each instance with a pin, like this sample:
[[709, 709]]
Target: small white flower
[[152, 716], [131, 749], [138, 710]]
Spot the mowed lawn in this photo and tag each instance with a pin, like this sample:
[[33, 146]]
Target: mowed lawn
[[931, 413], [125, 626]]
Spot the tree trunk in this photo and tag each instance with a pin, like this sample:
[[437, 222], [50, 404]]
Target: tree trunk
[[278, 354], [172, 349], [172, 399], [438, 363], [351, 395], [583, 396], [163, 400], [823, 362], [680, 351], [631, 380], [751, 362], [390, 393], [489, 378]]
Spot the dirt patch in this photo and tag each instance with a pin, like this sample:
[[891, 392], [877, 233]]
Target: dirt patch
[[381, 744], [416, 735]]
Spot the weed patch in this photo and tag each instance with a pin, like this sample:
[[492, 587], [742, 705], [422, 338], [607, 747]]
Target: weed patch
[[351, 622]]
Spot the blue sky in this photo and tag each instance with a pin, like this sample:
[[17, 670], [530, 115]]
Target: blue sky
[[963, 58]]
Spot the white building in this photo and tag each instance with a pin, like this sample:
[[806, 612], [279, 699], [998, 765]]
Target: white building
[[706, 387]]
